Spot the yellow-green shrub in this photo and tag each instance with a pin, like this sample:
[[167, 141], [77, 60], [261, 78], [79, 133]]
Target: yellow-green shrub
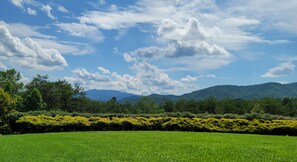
[[78, 123]]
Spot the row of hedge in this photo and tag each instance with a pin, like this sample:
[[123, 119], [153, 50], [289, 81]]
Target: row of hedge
[[16, 115], [41, 123]]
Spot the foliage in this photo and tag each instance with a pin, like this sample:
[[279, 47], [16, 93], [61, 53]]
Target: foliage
[[55, 95], [33, 100], [10, 81], [7, 103], [41, 123], [147, 105]]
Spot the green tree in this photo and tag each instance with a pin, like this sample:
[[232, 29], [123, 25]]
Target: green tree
[[290, 106], [168, 106], [271, 105], [10, 81], [210, 104], [79, 97], [64, 94], [56, 95], [45, 88], [33, 100], [7, 104], [180, 105], [147, 105], [112, 105], [257, 109]]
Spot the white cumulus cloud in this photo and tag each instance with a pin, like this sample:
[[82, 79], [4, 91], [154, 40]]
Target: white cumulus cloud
[[29, 53], [48, 9], [18, 3], [31, 11], [189, 78], [62, 9], [283, 69], [148, 79], [84, 74]]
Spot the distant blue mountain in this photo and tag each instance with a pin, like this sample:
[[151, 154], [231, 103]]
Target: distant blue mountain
[[271, 89], [105, 95], [276, 90]]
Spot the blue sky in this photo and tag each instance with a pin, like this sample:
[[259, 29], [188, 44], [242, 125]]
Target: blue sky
[[145, 47]]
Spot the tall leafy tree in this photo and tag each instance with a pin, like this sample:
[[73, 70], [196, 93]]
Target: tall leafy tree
[[7, 104], [168, 106], [45, 88], [64, 93], [10, 81], [147, 105], [79, 97], [33, 100]]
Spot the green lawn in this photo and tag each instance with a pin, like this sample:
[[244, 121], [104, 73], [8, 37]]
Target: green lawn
[[147, 146]]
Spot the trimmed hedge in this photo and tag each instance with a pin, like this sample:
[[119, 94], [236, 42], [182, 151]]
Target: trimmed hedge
[[16, 115], [41, 123]]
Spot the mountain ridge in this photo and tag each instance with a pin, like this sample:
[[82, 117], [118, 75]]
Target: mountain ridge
[[270, 89], [105, 95]]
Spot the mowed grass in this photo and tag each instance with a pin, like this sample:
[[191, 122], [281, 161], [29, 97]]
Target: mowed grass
[[147, 146]]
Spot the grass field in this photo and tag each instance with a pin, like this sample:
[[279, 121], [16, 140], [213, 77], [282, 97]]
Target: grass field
[[147, 146]]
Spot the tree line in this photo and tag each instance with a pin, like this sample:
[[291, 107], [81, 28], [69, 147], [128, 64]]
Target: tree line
[[42, 94]]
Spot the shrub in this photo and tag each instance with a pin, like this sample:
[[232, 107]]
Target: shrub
[[41, 123]]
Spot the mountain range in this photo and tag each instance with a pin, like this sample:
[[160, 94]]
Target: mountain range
[[105, 95], [272, 89]]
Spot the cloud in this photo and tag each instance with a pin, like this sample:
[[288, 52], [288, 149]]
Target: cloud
[[66, 47], [17, 3], [189, 78], [32, 3], [2, 67], [121, 34], [190, 30], [24, 79], [153, 76], [283, 69], [104, 71], [179, 49], [62, 9], [47, 9], [47, 41], [208, 76], [84, 74], [276, 15], [179, 31], [114, 20], [148, 53], [128, 58], [148, 79], [197, 55], [29, 53], [240, 21], [222, 26], [31, 11], [81, 30], [23, 31], [115, 50], [97, 4], [102, 2]]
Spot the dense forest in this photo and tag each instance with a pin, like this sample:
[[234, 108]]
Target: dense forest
[[42, 94]]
